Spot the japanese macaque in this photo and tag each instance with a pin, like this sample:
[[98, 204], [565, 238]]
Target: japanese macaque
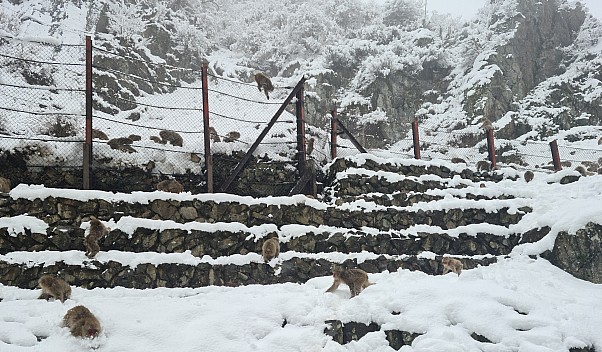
[[580, 169], [310, 146], [355, 279], [232, 136], [451, 264], [98, 134], [4, 185], [97, 230], [458, 160], [483, 165], [270, 249], [264, 82], [54, 287], [122, 143], [486, 124], [213, 135], [156, 139], [150, 166], [170, 185], [528, 176], [81, 322], [172, 137]]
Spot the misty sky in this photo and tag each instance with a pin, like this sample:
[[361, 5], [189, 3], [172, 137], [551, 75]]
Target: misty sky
[[468, 8]]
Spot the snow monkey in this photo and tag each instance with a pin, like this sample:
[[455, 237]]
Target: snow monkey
[[172, 137], [451, 264], [81, 322], [356, 279], [232, 136], [170, 185], [54, 287], [213, 135], [528, 175], [483, 165], [264, 82], [97, 230], [270, 249]]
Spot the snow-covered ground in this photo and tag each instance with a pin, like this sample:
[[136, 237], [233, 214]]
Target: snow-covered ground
[[519, 304]]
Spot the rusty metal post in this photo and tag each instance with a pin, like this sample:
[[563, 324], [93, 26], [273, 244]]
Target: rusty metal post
[[416, 139], [333, 134], [206, 134], [555, 155], [301, 148], [87, 157], [491, 147]]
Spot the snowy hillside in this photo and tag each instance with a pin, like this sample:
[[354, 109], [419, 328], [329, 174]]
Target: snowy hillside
[[381, 66]]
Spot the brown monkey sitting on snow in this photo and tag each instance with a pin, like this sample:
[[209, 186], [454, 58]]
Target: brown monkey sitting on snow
[[264, 82], [81, 322], [54, 287], [97, 230], [356, 279]]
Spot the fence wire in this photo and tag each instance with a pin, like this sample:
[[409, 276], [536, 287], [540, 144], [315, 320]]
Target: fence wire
[[42, 102]]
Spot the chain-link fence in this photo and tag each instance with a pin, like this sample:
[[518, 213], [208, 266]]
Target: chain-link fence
[[42, 105], [148, 114]]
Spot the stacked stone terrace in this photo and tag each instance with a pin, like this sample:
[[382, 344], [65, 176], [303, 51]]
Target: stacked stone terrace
[[374, 215]]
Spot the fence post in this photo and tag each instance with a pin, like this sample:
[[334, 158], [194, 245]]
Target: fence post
[[301, 148], [333, 134], [555, 155], [490, 147], [416, 139], [87, 157], [206, 136]]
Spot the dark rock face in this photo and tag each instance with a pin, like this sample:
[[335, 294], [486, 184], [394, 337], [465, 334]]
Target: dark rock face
[[352, 331], [580, 254]]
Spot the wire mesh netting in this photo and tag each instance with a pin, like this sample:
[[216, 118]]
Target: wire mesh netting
[[42, 101]]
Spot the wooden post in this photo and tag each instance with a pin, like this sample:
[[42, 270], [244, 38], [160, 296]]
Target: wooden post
[[87, 157], [206, 134], [333, 134], [555, 155], [416, 139], [301, 147], [491, 147]]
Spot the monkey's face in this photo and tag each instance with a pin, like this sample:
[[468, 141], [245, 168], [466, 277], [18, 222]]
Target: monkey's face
[[91, 332], [445, 260]]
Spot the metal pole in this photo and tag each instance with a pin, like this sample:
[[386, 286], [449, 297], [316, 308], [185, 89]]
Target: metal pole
[[206, 136], [87, 157], [416, 139], [301, 148], [555, 155], [491, 147], [333, 134]]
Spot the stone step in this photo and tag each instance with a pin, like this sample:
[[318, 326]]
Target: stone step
[[151, 270], [412, 167], [224, 239], [446, 213]]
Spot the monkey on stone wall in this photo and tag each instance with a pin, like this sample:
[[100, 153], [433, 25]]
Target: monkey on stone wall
[[264, 82], [54, 287], [97, 230], [81, 322], [170, 185], [451, 264], [270, 249], [4, 185], [355, 279]]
